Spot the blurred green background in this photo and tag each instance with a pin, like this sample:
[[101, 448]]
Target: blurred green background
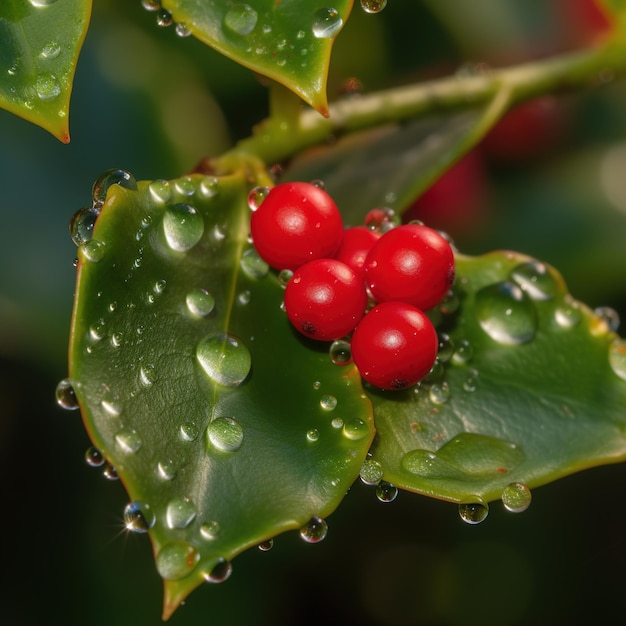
[[550, 183]]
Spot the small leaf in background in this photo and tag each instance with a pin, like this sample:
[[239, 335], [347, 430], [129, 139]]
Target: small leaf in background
[[39, 45], [289, 42], [225, 426], [530, 386]]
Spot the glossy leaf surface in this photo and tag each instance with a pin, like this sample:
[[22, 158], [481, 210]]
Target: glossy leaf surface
[[530, 387], [39, 45], [225, 427], [289, 42]]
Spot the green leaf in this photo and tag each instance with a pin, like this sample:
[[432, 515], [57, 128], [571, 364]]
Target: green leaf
[[289, 42], [39, 45], [225, 427], [530, 386]]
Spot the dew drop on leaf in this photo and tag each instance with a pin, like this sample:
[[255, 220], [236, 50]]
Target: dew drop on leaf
[[200, 302], [111, 403], [506, 313], [256, 197], [463, 352], [128, 440], [328, 403], [183, 227], [185, 186], [340, 352], [138, 517], [371, 472], [177, 560], [439, 393], [241, 19], [610, 316], [373, 6], [47, 87], [355, 429], [253, 265], [164, 18], [568, 315], [327, 23], [386, 492], [516, 497], [189, 430], [474, 511], [82, 223], [93, 457], [313, 434], [166, 469], [92, 250], [151, 5], [267, 545], [180, 513], [315, 530], [219, 572], [225, 433], [42, 3], [617, 357], [209, 186], [182, 30], [147, 375], [224, 359], [210, 530], [109, 472], [160, 191], [65, 395], [107, 179], [535, 279]]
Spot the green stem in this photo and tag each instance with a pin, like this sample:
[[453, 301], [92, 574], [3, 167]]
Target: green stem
[[276, 140]]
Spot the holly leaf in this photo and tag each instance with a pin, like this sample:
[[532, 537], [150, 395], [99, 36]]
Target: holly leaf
[[289, 42], [225, 426], [530, 386], [40, 41]]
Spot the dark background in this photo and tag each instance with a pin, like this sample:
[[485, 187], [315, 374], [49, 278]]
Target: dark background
[[153, 104]]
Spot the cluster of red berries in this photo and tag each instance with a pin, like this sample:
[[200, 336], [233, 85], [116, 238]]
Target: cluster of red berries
[[404, 270]]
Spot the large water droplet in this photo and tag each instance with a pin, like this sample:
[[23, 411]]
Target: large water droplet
[[128, 440], [200, 302], [241, 19], [224, 359], [47, 87], [327, 23], [506, 313], [536, 279], [567, 315], [92, 250], [516, 497], [315, 530], [328, 403], [313, 434], [210, 530], [183, 227], [93, 457], [225, 433], [180, 513], [177, 560], [355, 429], [256, 197], [106, 180], [617, 357], [253, 264], [138, 517], [340, 352], [160, 191], [474, 511], [386, 492], [166, 469], [220, 572], [371, 472], [82, 223], [65, 395], [373, 6]]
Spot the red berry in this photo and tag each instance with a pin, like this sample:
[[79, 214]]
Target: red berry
[[296, 223], [355, 245], [325, 299], [394, 345], [410, 263]]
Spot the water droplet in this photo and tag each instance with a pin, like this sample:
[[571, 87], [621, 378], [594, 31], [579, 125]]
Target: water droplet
[[340, 352], [463, 352], [200, 302], [117, 339], [93, 457], [336, 422], [315, 530], [151, 5], [148, 375], [164, 18], [92, 250], [439, 393], [183, 227], [617, 357], [446, 348], [266, 545], [219, 572], [225, 433], [111, 403], [474, 511], [355, 429], [189, 430], [209, 186], [185, 186], [328, 403], [256, 197], [284, 276], [535, 279], [177, 560], [51, 50], [386, 492], [180, 513], [109, 472], [224, 359], [610, 316], [371, 472], [166, 469], [42, 3], [82, 223], [516, 497], [373, 6], [109, 178], [450, 303], [241, 19], [210, 530], [128, 440], [253, 265], [138, 517], [568, 315], [327, 23], [65, 395], [313, 434], [182, 30], [470, 384], [506, 313], [160, 191], [47, 87]]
